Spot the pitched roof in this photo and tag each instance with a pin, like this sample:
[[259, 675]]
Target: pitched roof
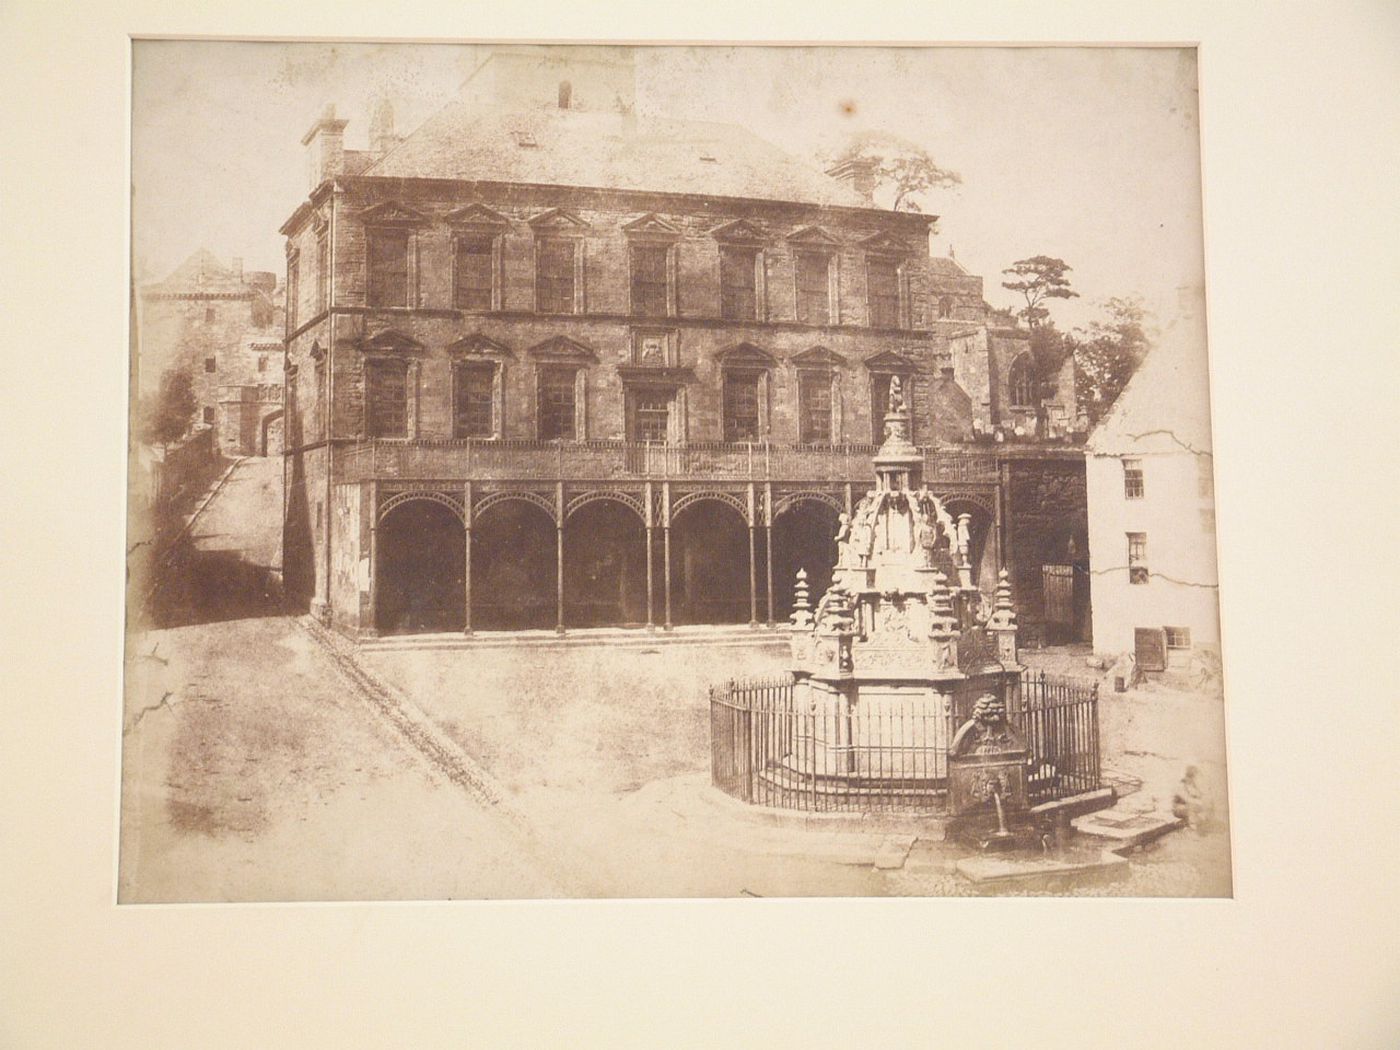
[[1166, 405], [469, 141]]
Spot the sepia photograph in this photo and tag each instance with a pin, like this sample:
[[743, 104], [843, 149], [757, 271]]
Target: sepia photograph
[[708, 526], [597, 471]]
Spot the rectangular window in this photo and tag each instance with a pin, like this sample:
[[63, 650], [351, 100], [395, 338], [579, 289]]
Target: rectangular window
[[210, 365], [1137, 557], [475, 266], [1205, 477], [208, 414], [262, 363], [741, 402], [882, 278], [554, 277], [813, 288], [650, 415], [475, 411], [814, 397], [323, 272], [738, 278], [1132, 479], [386, 399], [1178, 637], [649, 279], [388, 268], [558, 404], [208, 315], [880, 402]]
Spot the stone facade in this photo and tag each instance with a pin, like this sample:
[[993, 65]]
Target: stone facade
[[474, 321], [225, 328]]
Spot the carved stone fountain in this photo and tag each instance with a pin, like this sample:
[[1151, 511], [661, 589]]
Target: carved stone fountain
[[901, 645]]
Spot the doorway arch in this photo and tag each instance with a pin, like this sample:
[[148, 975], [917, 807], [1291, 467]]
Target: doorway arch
[[513, 567], [420, 568], [270, 434], [605, 569], [709, 563], [804, 537]]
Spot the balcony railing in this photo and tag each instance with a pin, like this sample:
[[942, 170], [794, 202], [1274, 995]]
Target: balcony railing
[[512, 459]]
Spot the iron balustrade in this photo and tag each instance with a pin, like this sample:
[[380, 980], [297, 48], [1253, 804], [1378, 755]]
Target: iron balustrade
[[769, 749], [513, 458]]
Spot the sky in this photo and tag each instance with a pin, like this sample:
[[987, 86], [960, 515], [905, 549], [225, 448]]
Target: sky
[[1087, 154]]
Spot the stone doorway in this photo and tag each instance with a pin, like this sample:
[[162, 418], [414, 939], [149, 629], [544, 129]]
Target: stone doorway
[[421, 555], [513, 568]]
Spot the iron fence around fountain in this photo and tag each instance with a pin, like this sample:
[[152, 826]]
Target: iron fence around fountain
[[769, 748]]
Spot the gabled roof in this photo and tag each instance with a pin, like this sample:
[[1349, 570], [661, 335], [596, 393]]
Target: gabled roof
[[1166, 405], [471, 142], [943, 264]]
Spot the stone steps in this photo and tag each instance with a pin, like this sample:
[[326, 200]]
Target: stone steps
[[613, 637]]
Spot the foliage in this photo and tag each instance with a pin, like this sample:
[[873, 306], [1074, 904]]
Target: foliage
[[902, 169], [169, 418], [1107, 353], [1039, 278]]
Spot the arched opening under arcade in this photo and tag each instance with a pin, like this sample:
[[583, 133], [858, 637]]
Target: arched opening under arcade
[[270, 434], [982, 548], [605, 569], [804, 537], [710, 572], [420, 568], [514, 562]]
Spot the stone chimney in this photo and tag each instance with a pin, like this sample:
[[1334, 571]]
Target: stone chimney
[[859, 174], [325, 144], [381, 127]]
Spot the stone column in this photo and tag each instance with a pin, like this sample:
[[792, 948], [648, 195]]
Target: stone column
[[651, 572], [467, 564], [753, 560], [666, 546], [559, 555]]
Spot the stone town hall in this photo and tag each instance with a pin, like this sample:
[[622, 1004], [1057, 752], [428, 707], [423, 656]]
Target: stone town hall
[[551, 363]]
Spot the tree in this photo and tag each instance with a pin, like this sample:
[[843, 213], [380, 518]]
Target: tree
[[1039, 278], [901, 169], [1107, 353], [175, 404]]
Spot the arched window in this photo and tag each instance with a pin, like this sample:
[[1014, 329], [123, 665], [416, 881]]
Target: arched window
[[1025, 391], [566, 94]]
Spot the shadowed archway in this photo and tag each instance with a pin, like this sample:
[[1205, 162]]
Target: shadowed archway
[[710, 564], [513, 568], [804, 537], [421, 557], [605, 569]]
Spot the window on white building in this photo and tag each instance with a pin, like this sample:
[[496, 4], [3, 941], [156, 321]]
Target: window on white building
[[1137, 557], [1178, 637], [1132, 479]]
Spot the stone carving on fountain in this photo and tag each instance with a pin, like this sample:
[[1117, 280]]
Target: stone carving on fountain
[[902, 591]]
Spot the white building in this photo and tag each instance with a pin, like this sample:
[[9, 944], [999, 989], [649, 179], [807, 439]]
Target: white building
[[1151, 499]]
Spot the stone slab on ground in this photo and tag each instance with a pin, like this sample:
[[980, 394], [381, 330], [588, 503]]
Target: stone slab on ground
[[1126, 829], [894, 851], [1007, 868]]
